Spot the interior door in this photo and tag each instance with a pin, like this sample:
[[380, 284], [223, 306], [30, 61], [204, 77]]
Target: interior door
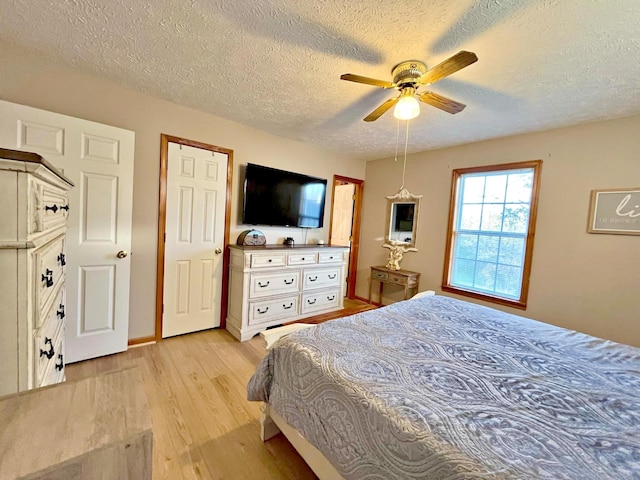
[[342, 214], [99, 161], [194, 239]]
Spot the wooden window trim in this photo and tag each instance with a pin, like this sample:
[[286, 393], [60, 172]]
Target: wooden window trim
[[521, 303]]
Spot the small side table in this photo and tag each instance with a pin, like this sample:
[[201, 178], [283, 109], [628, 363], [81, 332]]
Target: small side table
[[405, 278]]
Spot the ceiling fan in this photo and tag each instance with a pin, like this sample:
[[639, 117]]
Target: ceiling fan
[[408, 76]]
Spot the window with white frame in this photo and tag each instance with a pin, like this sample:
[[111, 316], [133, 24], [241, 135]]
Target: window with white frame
[[491, 227]]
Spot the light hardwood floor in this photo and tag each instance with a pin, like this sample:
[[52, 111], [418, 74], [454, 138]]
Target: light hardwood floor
[[203, 426]]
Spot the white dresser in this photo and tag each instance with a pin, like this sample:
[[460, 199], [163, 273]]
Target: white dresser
[[274, 284], [33, 225]]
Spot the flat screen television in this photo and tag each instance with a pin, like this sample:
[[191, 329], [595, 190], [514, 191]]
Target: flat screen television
[[280, 198]]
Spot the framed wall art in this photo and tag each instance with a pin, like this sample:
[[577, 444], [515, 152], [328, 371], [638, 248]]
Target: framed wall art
[[615, 211]]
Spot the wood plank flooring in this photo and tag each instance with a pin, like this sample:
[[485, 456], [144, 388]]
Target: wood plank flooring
[[203, 426]]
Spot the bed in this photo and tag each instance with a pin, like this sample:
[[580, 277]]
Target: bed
[[439, 388]]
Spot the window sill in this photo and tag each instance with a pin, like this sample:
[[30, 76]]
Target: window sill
[[520, 304]]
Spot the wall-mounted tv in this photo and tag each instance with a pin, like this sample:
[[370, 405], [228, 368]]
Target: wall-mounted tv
[[280, 198]]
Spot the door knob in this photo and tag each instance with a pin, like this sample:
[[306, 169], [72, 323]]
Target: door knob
[[218, 251], [122, 254]]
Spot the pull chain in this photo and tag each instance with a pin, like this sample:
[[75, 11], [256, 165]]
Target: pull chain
[[406, 144]]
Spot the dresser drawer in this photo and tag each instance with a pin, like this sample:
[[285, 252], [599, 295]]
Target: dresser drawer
[[56, 311], [49, 208], [377, 275], [330, 257], [317, 278], [49, 262], [268, 310], [55, 369], [47, 345], [274, 283], [259, 260], [397, 279], [302, 258], [320, 300]]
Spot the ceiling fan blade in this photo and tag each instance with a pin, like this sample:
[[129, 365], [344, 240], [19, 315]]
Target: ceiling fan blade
[[443, 103], [369, 81], [378, 112], [451, 65]]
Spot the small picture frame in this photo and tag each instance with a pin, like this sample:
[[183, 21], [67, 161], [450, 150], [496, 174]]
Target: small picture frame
[[615, 211]]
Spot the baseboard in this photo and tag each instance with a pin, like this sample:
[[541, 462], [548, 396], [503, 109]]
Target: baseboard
[[137, 342]]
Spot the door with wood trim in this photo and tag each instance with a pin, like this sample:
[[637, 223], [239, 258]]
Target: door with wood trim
[[194, 238], [99, 161], [346, 212]]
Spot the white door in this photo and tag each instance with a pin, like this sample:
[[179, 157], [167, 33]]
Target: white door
[[342, 214], [196, 195], [98, 159]]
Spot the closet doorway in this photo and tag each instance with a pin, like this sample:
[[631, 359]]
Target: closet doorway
[[344, 230]]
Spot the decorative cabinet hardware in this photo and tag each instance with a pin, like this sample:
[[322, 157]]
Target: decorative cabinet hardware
[[331, 277], [265, 285], [331, 298], [313, 279], [49, 354], [60, 313], [287, 307], [122, 254], [289, 282], [47, 277], [62, 261], [64, 207], [60, 366], [53, 208], [311, 302], [263, 311]]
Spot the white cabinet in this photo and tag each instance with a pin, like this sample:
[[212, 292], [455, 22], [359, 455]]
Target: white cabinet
[[270, 285], [33, 225]]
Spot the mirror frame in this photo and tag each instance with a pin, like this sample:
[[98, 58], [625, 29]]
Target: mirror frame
[[403, 196]]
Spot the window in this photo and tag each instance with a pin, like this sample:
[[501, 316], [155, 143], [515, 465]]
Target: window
[[490, 237]]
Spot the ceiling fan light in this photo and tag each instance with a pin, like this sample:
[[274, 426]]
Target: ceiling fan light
[[406, 108]]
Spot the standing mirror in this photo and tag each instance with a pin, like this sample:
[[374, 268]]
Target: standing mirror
[[402, 218]]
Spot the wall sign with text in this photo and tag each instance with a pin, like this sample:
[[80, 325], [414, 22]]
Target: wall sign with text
[[615, 211]]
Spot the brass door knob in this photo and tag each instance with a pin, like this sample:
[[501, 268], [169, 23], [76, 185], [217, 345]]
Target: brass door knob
[[122, 254], [218, 251]]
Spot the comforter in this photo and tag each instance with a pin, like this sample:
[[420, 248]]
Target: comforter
[[438, 388]]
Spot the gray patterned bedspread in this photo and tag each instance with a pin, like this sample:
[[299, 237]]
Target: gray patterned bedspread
[[438, 388]]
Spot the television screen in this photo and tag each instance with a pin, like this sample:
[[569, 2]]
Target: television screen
[[280, 198]]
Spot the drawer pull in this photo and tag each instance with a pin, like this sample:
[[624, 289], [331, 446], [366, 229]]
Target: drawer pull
[[303, 259], [60, 313], [64, 207], [270, 260], [60, 366], [287, 307], [48, 278], [50, 353], [289, 282], [53, 208], [313, 279], [331, 277], [263, 311], [310, 302], [331, 298], [331, 257], [62, 260], [265, 285]]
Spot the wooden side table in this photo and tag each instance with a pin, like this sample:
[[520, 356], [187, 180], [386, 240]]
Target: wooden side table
[[405, 278]]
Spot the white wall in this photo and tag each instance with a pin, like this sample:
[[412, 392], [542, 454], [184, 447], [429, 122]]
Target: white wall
[[582, 281], [30, 79]]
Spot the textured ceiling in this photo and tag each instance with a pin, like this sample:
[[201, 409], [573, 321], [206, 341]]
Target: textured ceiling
[[275, 65]]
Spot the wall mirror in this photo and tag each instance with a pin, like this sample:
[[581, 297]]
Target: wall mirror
[[402, 218]]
